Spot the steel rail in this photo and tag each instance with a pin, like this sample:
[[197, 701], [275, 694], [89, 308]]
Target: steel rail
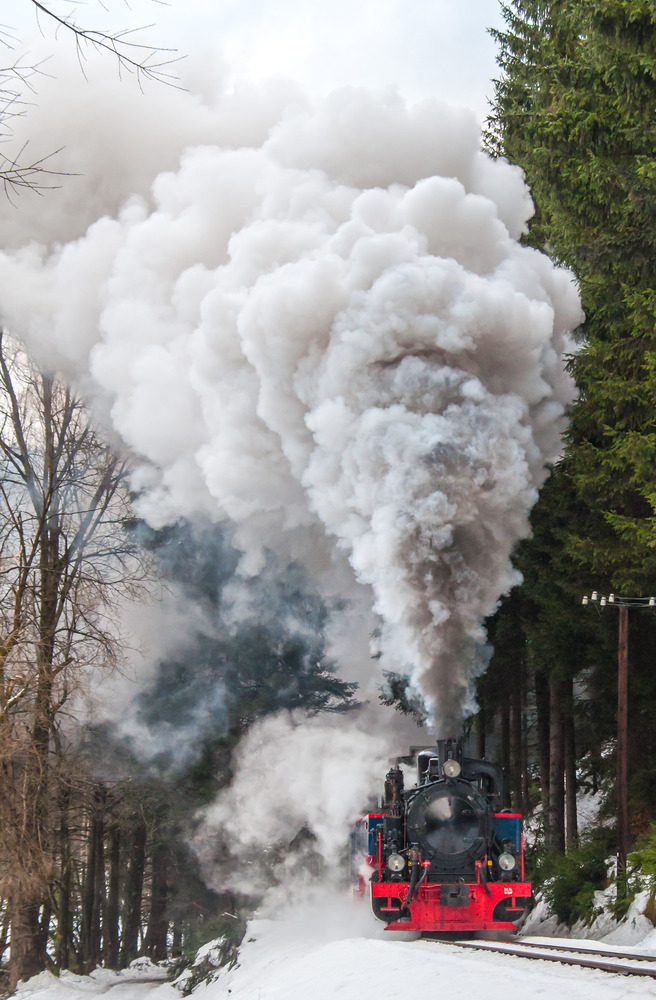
[[587, 951], [543, 955]]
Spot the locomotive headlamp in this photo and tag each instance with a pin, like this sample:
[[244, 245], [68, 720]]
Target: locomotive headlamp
[[395, 863], [507, 862], [451, 768]]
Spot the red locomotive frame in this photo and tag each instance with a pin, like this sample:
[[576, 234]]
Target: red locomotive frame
[[485, 904]]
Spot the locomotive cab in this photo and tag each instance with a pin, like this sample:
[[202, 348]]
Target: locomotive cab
[[443, 855]]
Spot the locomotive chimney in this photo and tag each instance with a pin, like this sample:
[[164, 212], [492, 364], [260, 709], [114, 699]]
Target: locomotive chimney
[[449, 750]]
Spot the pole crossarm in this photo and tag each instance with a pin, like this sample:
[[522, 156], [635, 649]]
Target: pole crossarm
[[618, 601]]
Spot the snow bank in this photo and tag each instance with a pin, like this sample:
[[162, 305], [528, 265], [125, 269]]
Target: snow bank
[[140, 979], [634, 930]]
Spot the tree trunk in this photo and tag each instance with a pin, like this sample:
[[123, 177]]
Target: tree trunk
[[4, 933], [176, 944], [556, 828], [95, 951], [158, 924], [133, 896], [504, 710], [27, 957], [28, 951], [516, 746], [44, 925], [525, 769], [65, 926], [570, 770], [111, 938], [542, 726], [94, 886]]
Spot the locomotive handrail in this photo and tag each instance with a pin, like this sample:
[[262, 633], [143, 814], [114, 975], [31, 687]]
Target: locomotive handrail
[[484, 869], [426, 866]]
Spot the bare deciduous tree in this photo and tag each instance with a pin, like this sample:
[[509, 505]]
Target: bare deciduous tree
[[65, 561]]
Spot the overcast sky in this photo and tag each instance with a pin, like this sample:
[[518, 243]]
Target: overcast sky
[[421, 47]]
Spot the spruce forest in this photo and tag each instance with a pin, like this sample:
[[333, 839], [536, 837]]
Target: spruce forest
[[574, 107], [95, 862]]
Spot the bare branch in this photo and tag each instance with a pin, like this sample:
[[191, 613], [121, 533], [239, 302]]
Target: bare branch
[[144, 61]]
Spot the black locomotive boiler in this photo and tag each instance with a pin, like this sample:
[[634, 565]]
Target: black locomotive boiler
[[443, 855]]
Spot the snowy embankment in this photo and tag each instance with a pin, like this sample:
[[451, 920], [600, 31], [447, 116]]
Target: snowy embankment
[[336, 949], [633, 930]]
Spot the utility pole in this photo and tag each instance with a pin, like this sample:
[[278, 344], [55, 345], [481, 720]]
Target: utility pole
[[622, 785], [622, 753]]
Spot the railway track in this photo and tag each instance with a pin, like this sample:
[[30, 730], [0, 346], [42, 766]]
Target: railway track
[[623, 963]]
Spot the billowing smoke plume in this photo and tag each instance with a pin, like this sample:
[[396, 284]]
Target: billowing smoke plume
[[333, 339]]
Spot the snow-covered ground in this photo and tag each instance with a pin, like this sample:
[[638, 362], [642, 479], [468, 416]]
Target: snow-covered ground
[[142, 981], [344, 953], [333, 949]]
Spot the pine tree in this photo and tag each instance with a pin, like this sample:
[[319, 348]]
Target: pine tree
[[575, 109]]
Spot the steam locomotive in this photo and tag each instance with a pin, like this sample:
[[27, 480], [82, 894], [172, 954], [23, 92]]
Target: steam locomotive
[[443, 856]]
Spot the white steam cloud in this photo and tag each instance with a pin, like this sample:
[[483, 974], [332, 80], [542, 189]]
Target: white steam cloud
[[332, 338], [294, 773]]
